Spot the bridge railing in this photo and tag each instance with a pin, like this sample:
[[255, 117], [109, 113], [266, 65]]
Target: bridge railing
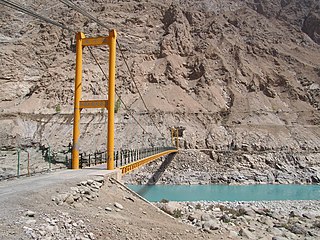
[[126, 156], [121, 157]]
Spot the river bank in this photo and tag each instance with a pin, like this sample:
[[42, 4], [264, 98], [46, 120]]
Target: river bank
[[276, 220], [194, 167]]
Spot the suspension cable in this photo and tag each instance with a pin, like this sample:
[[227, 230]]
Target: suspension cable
[[85, 13], [32, 13], [132, 78], [125, 106]]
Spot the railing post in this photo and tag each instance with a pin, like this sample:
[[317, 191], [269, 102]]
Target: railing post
[[131, 158], [177, 138], [18, 166], [80, 160], [67, 161], [49, 159], [129, 155], [121, 158], [28, 163]]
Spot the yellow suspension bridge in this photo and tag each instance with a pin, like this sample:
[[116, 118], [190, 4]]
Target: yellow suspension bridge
[[127, 160]]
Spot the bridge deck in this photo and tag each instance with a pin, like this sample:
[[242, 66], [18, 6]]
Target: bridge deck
[[136, 164], [127, 160]]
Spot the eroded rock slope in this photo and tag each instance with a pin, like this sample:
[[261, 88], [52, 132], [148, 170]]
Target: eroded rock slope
[[241, 77]]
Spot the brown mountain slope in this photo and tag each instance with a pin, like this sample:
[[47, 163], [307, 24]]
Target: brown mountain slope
[[235, 75]]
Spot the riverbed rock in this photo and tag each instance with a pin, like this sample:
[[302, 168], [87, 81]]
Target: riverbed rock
[[297, 229], [118, 205], [30, 213], [108, 209], [248, 211], [205, 217], [171, 207], [194, 216], [246, 233], [225, 218], [211, 224]]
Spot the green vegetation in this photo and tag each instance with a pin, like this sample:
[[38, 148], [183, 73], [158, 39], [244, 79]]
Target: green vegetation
[[198, 206], [236, 212], [164, 200], [316, 224], [177, 213], [117, 105], [58, 108]]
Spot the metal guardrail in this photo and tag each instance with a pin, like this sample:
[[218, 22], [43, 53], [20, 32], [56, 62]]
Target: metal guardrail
[[125, 159], [121, 157], [144, 159], [30, 162]]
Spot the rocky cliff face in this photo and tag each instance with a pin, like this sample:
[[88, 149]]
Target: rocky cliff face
[[232, 75], [303, 15]]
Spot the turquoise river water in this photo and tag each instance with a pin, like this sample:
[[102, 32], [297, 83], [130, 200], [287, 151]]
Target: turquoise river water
[[266, 192]]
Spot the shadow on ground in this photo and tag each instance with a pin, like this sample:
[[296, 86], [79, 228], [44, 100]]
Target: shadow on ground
[[157, 175]]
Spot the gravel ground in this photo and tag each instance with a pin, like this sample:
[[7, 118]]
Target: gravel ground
[[251, 220]]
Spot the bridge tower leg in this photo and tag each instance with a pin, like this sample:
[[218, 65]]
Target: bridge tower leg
[[77, 98]]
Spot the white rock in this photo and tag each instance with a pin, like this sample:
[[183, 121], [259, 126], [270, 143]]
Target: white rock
[[211, 224], [205, 217], [90, 181], [118, 205], [108, 209], [99, 179], [30, 213], [83, 183], [31, 221]]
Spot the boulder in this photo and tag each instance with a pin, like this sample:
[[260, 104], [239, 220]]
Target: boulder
[[118, 205], [170, 207], [246, 233], [211, 225]]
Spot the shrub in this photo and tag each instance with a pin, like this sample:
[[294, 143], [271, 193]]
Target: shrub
[[177, 213], [198, 206], [316, 224], [58, 108], [117, 105]]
